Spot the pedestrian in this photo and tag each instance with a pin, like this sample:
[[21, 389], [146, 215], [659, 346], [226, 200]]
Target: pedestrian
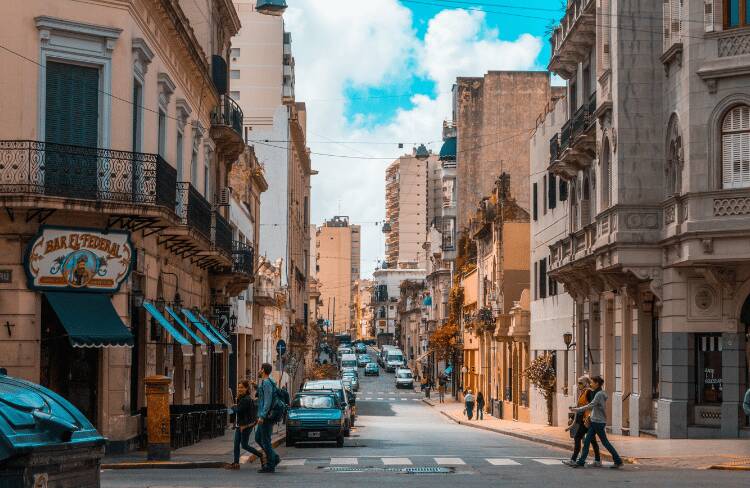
[[246, 416], [581, 420], [598, 408], [267, 399], [441, 388], [746, 402], [480, 406], [469, 401], [284, 395]]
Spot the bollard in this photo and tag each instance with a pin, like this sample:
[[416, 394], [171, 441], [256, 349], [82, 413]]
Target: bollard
[[157, 416]]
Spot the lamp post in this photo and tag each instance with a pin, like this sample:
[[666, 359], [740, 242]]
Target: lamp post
[[568, 340]]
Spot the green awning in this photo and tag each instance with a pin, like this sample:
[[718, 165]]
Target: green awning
[[182, 324], [216, 332], [165, 324], [199, 325], [90, 319]]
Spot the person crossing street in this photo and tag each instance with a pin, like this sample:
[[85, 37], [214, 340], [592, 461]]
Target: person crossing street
[[598, 408], [268, 415]]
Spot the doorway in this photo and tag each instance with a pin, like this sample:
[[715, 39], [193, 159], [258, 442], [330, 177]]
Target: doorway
[[72, 372]]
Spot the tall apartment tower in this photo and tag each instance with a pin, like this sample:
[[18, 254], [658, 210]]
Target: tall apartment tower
[[337, 251], [406, 211]]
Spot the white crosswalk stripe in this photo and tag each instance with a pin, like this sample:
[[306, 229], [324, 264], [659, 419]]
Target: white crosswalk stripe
[[292, 462], [347, 460], [449, 461], [397, 461], [548, 462], [502, 462]]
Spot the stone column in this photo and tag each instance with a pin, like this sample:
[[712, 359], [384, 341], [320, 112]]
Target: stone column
[[674, 385], [732, 376]]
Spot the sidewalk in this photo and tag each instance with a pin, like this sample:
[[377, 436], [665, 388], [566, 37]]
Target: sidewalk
[[689, 453], [210, 453]]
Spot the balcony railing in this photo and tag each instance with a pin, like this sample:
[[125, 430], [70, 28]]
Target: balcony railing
[[554, 148], [193, 209], [86, 173], [565, 135], [221, 233], [242, 257], [228, 113]]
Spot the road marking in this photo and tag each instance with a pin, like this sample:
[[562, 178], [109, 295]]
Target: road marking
[[502, 462], [292, 462], [548, 462], [380, 398], [392, 398], [347, 460], [415, 399], [449, 461], [404, 399], [396, 461], [368, 398]]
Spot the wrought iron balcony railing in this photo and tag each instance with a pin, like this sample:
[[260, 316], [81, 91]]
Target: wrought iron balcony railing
[[554, 147], [193, 209], [565, 135], [228, 113], [221, 233], [86, 173], [242, 257]]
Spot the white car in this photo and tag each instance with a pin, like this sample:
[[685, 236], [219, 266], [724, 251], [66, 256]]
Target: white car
[[404, 378]]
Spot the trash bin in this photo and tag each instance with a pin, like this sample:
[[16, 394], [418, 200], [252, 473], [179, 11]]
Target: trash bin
[[44, 440]]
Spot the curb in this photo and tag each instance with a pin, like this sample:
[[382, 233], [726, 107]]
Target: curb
[[183, 464], [724, 467]]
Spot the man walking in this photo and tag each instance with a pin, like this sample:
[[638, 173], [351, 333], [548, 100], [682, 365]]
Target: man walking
[[469, 400], [441, 388], [598, 407], [266, 399]]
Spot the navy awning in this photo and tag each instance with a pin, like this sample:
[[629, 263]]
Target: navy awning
[[201, 327], [448, 151], [165, 324], [90, 319]]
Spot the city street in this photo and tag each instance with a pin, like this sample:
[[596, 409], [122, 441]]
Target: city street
[[395, 433]]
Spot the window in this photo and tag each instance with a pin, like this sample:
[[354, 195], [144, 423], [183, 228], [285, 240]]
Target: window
[[736, 13], [178, 155], [234, 53], [543, 278], [544, 193], [735, 148], [137, 115], [536, 281], [194, 164], [552, 191], [674, 159], [535, 203], [563, 190], [606, 176], [708, 364], [235, 95], [162, 145], [234, 74], [573, 98]]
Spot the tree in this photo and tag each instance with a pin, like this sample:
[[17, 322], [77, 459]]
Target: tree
[[541, 374]]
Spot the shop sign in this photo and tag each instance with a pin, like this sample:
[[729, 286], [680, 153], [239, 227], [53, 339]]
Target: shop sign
[[65, 258], [221, 317]]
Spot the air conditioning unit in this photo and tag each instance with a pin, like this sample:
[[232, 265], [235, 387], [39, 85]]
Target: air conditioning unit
[[224, 197]]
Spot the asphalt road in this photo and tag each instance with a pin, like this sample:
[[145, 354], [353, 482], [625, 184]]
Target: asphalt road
[[397, 433]]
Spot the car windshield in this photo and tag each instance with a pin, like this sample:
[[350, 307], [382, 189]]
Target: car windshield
[[372, 366], [314, 401], [404, 374], [395, 357]]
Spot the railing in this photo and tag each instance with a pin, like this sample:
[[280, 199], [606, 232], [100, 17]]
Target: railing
[[221, 233], [228, 113], [193, 209], [87, 173], [565, 135], [242, 258], [554, 148]]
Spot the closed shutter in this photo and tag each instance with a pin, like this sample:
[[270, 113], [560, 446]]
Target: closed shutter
[[552, 188], [667, 19], [736, 148], [708, 15], [72, 118], [535, 203], [543, 278], [563, 190]]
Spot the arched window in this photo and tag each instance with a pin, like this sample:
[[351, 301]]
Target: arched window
[[735, 148], [606, 176], [674, 164]]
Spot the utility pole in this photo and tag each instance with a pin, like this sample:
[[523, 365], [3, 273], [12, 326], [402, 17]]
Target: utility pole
[[334, 315]]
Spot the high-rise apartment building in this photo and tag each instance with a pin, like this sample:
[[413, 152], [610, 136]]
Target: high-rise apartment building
[[337, 252]]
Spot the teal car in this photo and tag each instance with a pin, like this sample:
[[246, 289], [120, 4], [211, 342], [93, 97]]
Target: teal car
[[315, 416]]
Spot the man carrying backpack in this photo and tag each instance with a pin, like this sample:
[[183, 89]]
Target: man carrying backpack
[[270, 410]]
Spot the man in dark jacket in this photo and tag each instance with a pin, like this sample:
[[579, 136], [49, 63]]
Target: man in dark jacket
[[266, 398]]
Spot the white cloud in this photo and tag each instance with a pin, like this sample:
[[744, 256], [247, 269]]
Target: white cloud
[[342, 43]]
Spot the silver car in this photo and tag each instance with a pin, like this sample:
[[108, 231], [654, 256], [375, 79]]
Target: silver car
[[352, 380]]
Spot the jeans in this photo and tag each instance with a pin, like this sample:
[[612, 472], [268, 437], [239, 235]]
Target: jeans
[[480, 412], [597, 429], [469, 409], [580, 434], [263, 438], [243, 439], [441, 394]]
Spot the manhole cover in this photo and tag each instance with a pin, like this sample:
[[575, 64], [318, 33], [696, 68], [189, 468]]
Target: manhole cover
[[428, 470]]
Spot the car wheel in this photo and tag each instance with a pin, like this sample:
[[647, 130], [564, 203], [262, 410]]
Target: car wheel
[[340, 441]]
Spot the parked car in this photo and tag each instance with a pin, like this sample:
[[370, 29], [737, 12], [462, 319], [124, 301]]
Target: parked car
[[353, 370], [346, 397], [316, 416], [372, 369], [363, 360], [353, 381], [383, 352], [346, 353], [360, 348], [404, 378]]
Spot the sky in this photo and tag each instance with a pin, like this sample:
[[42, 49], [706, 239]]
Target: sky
[[376, 73]]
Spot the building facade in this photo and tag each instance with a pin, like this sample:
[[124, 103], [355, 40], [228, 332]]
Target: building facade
[[121, 139], [653, 256]]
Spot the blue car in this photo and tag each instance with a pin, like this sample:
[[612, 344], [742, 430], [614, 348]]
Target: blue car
[[316, 416]]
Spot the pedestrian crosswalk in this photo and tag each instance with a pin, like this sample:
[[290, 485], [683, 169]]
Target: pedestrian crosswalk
[[396, 461]]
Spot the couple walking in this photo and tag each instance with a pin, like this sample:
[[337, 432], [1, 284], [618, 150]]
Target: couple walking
[[590, 421], [261, 415], [469, 400]]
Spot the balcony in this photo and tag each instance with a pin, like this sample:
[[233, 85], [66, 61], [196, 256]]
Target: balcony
[[193, 210], [235, 277], [226, 128], [573, 39], [117, 179], [575, 147], [221, 233], [242, 258]]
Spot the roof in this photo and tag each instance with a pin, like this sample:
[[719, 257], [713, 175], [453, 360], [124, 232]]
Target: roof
[[448, 151]]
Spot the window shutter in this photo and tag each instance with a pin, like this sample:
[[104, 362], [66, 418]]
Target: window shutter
[[736, 148], [535, 203], [667, 19], [709, 8], [552, 188], [676, 30], [563, 190], [72, 104], [543, 278]]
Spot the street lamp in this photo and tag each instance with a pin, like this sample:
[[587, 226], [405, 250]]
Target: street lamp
[[177, 301], [568, 340], [271, 7], [233, 322]]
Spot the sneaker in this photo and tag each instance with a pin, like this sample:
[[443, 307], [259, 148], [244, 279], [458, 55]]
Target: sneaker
[[616, 466], [266, 469], [576, 465], [596, 464], [569, 462], [232, 466]]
